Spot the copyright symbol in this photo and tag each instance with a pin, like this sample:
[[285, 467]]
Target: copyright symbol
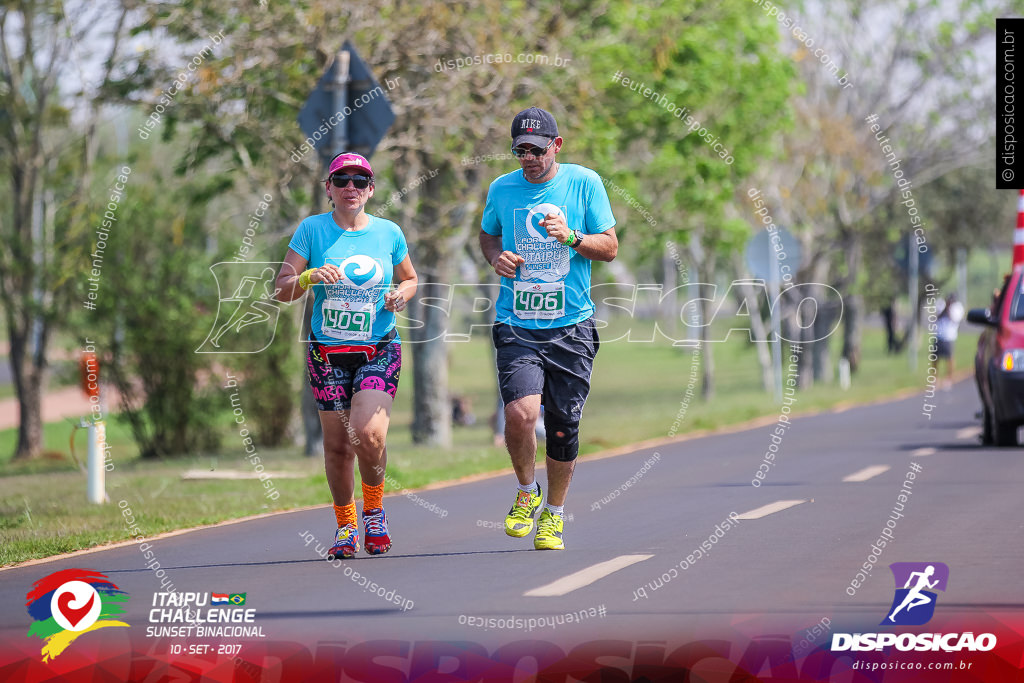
[[1007, 174]]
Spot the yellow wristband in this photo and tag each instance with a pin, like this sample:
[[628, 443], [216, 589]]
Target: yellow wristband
[[304, 278]]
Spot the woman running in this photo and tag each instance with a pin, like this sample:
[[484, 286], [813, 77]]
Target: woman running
[[350, 259]]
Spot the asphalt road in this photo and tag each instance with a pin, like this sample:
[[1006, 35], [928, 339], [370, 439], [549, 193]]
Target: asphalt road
[[791, 566]]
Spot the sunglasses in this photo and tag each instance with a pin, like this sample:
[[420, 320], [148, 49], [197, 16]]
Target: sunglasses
[[360, 182], [535, 151]]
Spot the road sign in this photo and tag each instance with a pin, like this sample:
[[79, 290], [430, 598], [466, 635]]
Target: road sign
[[765, 247], [767, 253], [348, 111]]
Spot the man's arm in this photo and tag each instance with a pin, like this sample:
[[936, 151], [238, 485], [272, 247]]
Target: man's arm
[[503, 262], [603, 246]]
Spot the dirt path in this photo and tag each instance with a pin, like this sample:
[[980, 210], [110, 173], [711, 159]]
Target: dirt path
[[57, 405]]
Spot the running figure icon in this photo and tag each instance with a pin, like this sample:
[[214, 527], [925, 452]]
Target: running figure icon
[[915, 597], [251, 309]]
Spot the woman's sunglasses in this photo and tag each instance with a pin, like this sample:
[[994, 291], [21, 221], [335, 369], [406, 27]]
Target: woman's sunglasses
[[360, 182]]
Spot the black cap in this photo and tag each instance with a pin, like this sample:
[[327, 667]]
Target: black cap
[[533, 126]]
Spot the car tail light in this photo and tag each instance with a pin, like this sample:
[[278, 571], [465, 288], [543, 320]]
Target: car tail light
[[1013, 360]]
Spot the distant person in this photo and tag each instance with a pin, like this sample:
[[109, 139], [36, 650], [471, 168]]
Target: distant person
[[542, 226], [355, 356], [462, 412], [998, 294], [946, 328]]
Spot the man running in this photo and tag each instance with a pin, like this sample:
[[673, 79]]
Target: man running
[[541, 228]]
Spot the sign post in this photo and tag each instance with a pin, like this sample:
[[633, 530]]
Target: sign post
[[95, 466], [347, 111], [765, 253]]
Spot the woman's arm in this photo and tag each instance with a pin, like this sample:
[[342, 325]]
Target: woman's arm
[[408, 281], [287, 283], [288, 287]]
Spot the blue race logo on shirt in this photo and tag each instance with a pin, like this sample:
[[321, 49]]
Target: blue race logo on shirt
[[361, 271]]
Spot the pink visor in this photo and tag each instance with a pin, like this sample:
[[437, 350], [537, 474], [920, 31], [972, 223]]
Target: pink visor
[[350, 161]]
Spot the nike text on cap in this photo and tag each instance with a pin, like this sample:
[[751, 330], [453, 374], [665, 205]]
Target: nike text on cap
[[533, 126]]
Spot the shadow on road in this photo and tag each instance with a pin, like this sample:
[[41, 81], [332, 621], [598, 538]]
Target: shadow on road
[[314, 559], [974, 445], [207, 566]]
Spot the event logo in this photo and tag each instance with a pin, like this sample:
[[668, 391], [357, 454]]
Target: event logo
[[545, 259], [247, 311], [914, 603], [361, 271], [536, 215], [69, 603]]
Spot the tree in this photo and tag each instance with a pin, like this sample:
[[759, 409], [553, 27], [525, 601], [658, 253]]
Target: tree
[[710, 75], [44, 227], [920, 68]]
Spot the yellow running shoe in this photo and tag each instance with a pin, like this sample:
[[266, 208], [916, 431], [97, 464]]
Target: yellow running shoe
[[549, 532], [519, 521]]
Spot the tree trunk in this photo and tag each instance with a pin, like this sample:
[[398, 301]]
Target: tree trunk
[[439, 231], [308, 409], [820, 353], [806, 364], [311, 426], [704, 263], [707, 379], [432, 422], [853, 319], [668, 312], [757, 327], [854, 309], [28, 383]]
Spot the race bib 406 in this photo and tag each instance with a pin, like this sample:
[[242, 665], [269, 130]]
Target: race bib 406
[[539, 300]]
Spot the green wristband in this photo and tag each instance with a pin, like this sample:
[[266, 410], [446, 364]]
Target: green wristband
[[571, 239]]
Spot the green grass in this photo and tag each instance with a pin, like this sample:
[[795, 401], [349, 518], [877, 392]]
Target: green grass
[[636, 394]]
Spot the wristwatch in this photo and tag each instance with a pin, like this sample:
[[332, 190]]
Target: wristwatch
[[579, 240]]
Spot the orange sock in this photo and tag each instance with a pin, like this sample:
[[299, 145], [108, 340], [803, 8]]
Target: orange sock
[[346, 514], [373, 496]]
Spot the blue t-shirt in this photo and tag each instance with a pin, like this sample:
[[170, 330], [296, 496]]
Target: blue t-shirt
[[552, 289], [353, 309]]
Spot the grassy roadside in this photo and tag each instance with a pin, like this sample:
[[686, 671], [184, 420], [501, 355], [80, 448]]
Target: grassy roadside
[[637, 393]]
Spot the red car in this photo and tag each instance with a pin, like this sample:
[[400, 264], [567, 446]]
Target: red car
[[999, 363]]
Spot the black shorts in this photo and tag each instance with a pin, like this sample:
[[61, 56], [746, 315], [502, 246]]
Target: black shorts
[[555, 363], [944, 348], [334, 385]]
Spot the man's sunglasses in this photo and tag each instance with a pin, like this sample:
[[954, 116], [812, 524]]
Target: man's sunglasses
[[535, 151], [360, 182]]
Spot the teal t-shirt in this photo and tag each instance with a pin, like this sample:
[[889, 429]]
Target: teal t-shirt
[[552, 289], [353, 309]]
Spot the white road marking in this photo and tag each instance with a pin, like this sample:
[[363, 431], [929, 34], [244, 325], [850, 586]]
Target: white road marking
[[921, 452], [968, 432], [867, 473], [585, 577], [768, 509]]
